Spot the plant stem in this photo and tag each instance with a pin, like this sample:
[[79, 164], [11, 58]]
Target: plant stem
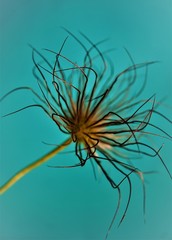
[[32, 166]]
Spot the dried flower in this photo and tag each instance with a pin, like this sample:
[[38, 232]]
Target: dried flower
[[100, 111]]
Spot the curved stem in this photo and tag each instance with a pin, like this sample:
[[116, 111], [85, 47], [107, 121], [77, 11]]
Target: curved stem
[[32, 166]]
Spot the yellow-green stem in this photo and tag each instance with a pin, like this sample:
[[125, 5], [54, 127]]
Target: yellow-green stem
[[32, 166]]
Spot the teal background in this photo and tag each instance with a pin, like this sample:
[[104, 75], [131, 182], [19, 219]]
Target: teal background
[[60, 204]]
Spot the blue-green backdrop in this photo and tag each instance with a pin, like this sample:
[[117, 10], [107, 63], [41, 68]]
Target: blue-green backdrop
[[61, 204]]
